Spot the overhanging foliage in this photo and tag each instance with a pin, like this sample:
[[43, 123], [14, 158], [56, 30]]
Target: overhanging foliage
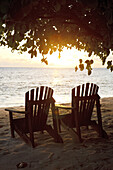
[[48, 25]]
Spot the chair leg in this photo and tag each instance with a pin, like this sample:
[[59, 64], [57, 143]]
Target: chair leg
[[54, 134], [79, 133], [99, 130], [104, 134], [31, 132], [32, 139], [72, 132], [56, 121], [77, 126], [11, 124]]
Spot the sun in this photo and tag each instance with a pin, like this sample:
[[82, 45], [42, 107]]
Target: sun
[[69, 58]]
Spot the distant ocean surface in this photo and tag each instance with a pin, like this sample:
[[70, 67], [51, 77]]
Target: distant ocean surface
[[14, 82]]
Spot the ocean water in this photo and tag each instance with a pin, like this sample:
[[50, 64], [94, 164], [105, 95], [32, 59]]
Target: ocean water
[[14, 82]]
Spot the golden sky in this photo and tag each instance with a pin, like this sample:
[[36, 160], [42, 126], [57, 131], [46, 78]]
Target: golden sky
[[69, 58]]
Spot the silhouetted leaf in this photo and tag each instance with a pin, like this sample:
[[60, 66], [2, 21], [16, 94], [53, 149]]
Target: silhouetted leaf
[[76, 68], [59, 56]]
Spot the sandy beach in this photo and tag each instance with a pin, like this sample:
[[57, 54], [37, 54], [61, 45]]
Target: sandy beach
[[94, 153]]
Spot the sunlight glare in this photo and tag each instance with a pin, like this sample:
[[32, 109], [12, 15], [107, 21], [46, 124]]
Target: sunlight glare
[[69, 58]]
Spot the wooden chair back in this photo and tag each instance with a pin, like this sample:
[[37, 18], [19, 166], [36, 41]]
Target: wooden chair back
[[37, 104], [83, 98]]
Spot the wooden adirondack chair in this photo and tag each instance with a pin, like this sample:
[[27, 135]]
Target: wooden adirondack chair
[[83, 99], [37, 104]]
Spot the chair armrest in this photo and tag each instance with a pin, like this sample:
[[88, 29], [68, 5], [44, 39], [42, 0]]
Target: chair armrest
[[58, 117], [15, 111], [64, 107]]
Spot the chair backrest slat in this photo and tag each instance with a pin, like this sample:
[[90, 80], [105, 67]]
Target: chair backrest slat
[[36, 98], [92, 102], [44, 108], [32, 95], [39, 110], [26, 100], [50, 93], [87, 89], [82, 92], [37, 90], [46, 90], [91, 89], [87, 103], [78, 91], [84, 103], [41, 92]]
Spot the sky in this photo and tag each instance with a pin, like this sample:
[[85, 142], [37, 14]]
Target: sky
[[69, 59]]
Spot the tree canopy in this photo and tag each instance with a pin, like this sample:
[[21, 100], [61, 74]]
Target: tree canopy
[[50, 25]]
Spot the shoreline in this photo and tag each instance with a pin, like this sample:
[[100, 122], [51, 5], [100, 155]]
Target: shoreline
[[17, 106], [93, 153]]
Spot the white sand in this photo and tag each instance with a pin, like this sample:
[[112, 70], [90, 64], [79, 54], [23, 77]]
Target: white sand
[[94, 153]]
